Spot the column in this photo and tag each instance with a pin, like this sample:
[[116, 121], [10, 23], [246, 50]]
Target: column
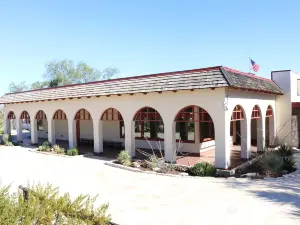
[[19, 130], [272, 131], [51, 131], [72, 133], [233, 132], [261, 133], [170, 141], [98, 136], [197, 129], [222, 139], [130, 137], [6, 125], [34, 131], [245, 138]]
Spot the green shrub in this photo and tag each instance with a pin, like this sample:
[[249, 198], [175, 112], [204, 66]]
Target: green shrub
[[58, 150], [1, 131], [8, 143], [72, 152], [202, 169], [45, 147], [46, 206], [5, 138], [47, 144], [124, 158]]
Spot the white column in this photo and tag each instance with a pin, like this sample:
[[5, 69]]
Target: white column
[[245, 138], [130, 137], [19, 130], [261, 133], [7, 125], [170, 145], [222, 139], [34, 132], [233, 131], [98, 136], [72, 133], [197, 129], [272, 131], [51, 131]]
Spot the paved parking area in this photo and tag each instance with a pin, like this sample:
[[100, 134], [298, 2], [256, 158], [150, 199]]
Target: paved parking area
[[137, 199]]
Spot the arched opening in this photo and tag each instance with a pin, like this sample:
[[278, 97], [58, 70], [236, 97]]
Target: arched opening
[[41, 127], [11, 125], [195, 136], [60, 129], [148, 130], [256, 129], [237, 135], [84, 131], [270, 136], [25, 126], [113, 130]]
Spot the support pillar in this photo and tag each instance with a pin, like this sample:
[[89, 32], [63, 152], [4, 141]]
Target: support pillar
[[98, 136], [272, 131], [233, 132], [197, 129], [7, 126], [34, 131], [72, 133], [245, 138], [222, 139], [51, 131], [170, 145], [19, 130], [130, 137], [261, 133]]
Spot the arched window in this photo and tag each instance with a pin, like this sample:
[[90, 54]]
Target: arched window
[[112, 114], [59, 115], [25, 117], [255, 112], [11, 116], [237, 113], [148, 124], [83, 114], [40, 116], [269, 112], [189, 119]]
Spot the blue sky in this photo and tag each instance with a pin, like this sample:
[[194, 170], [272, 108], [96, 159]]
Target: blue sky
[[143, 37]]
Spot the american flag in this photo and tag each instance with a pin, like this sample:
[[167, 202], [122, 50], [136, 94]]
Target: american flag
[[254, 66]]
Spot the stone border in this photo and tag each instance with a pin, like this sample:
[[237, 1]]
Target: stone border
[[66, 156], [132, 169]]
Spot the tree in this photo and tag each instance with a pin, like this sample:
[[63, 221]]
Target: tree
[[66, 72], [14, 87]]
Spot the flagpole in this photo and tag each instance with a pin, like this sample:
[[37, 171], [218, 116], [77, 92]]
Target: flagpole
[[249, 64]]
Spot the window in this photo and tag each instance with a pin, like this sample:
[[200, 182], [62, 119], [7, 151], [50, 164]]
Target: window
[[185, 124], [237, 113], [270, 111], [60, 115], [83, 114], [255, 113], [148, 124], [40, 116], [25, 117], [40, 125]]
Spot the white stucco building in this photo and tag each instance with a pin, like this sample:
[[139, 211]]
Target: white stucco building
[[205, 109]]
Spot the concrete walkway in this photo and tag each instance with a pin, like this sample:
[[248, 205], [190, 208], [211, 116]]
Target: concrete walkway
[[137, 198]]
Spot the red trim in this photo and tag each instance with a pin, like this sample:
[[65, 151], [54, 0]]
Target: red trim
[[237, 113], [188, 114], [269, 112], [82, 114], [255, 112], [295, 104], [115, 115], [40, 115], [59, 115]]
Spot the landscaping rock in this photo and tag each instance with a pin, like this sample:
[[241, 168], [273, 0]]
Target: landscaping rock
[[184, 174], [136, 165], [250, 175], [156, 169]]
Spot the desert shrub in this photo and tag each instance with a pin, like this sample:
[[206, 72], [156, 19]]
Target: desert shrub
[[124, 158], [1, 130], [5, 138], [8, 143], [58, 150], [202, 169], [47, 144], [46, 206], [72, 152], [274, 162], [45, 147]]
